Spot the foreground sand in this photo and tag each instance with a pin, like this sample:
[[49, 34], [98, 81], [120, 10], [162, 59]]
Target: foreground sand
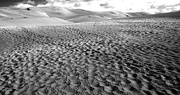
[[121, 58]]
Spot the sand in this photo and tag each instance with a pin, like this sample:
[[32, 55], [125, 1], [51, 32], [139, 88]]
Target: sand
[[35, 21], [75, 60]]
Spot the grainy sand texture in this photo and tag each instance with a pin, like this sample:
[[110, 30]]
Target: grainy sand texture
[[122, 57]]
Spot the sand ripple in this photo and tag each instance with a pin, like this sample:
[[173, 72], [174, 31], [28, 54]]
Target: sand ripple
[[89, 71], [94, 66]]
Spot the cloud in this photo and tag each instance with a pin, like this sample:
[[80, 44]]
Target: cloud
[[177, 7], [151, 6], [87, 0], [106, 5], [95, 6], [77, 4], [25, 4], [22, 5], [165, 2], [30, 2]]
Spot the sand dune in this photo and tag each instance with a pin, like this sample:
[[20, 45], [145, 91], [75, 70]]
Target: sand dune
[[113, 14], [138, 14], [72, 15], [58, 12], [27, 17], [170, 14], [3, 15], [126, 58], [20, 13], [36, 21], [88, 18]]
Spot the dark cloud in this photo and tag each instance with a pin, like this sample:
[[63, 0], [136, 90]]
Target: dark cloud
[[87, 0], [6, 3], [68, 1], [29, 2], [37, 2], [161, 7], [152, 7], [106, 5], [177, 4], [77, 4]]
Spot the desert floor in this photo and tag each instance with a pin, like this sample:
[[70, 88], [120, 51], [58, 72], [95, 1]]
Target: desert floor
[[121, 57]]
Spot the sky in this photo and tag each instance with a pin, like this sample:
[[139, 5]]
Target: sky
[[150, 6]]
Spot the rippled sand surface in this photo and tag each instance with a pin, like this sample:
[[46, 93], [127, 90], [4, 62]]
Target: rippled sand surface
[[122, 58]]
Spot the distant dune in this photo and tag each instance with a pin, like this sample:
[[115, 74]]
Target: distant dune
[[28, 17], [40, 16], [49, 15], [171, 14], [138, 14], [21, 13], [55, 11], [38, 21]]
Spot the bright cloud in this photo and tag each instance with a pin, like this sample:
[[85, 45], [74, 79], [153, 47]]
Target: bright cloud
[[93, 6], [121, 5], [177, 7], [151, 6], [30, 2], [22, 5]]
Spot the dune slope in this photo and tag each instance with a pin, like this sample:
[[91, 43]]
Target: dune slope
[[27, 17], [71, 15], [170, 14]]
